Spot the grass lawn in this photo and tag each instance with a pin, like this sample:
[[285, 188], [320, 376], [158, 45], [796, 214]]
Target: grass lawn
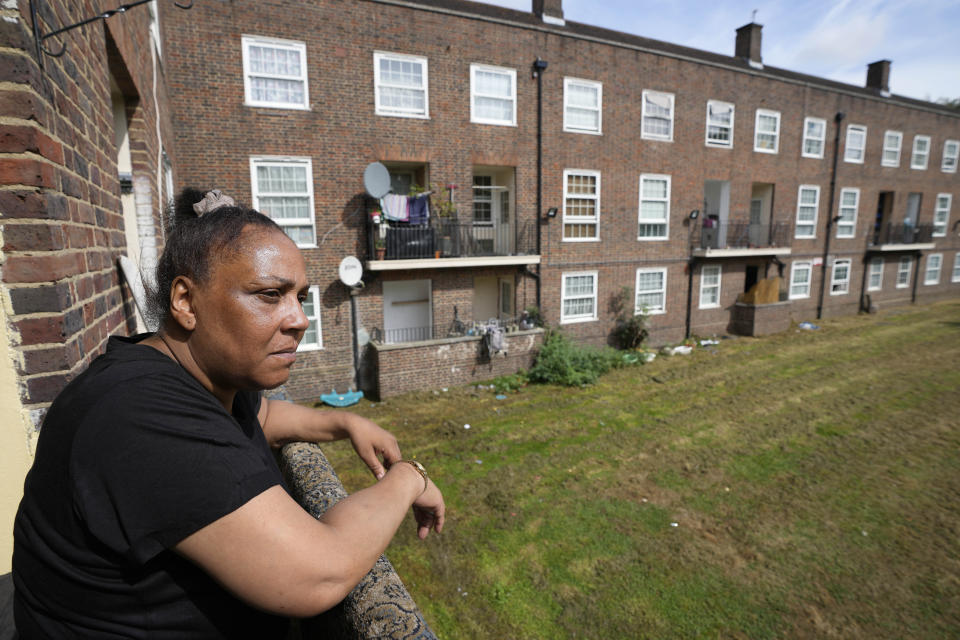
[[803, 485]]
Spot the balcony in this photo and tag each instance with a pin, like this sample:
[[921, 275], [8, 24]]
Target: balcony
[[447, 243], [713, 239], [901, 237]]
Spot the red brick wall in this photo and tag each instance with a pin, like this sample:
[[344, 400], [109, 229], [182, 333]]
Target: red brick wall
[[59, 188], [341, 134]]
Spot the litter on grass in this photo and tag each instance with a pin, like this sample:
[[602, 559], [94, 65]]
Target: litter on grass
[[466, 426], [809, 326], [706, 343], [500, 396], [682, 350]]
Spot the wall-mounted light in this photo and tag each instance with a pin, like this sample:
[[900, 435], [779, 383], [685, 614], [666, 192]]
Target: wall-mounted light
[[539, 66], [695, 214], [552, 212]]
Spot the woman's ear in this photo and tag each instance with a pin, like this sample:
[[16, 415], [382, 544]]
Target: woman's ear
[[181, 302]]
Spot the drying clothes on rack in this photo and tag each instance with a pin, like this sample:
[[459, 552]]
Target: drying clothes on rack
[[395, 207], [419, 210]]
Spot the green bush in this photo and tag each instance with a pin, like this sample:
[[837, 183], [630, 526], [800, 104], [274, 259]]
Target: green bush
[[630, 329], [562, 362]]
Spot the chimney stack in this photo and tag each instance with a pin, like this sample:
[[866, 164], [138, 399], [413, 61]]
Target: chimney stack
[[878, 77], [748, 44], [550, 11]]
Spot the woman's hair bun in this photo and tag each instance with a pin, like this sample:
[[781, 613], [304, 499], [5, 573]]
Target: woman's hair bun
[[183, 206]]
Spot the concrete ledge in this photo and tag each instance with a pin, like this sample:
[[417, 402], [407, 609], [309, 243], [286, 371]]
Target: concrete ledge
[[379, 608]]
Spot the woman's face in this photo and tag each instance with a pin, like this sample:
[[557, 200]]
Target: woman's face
[[248, 316]]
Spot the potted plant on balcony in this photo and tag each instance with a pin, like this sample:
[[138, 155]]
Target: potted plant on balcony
[[380, 248]]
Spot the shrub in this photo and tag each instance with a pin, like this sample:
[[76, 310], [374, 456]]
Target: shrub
[[630, 329], [562, 362]]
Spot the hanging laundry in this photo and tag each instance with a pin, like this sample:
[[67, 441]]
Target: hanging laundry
[[395, 207], [419, 209]]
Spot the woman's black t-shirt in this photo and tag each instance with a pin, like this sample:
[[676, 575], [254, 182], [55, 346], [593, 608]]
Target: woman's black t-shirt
[[133, 457]]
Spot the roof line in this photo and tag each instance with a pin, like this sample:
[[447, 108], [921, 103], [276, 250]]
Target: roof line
[[853, 91]]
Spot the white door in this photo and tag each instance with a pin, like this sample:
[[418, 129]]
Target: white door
[[407, 313]]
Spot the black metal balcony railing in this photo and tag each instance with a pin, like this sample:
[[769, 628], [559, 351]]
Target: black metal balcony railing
[[900, 233], [448, 238], [739, 235]]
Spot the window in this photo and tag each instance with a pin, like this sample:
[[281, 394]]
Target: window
[[483, 201], [579, 303], [921, 152], [941, 214], [651, 291], [951, 151], [657, 116], [493, 95], [840, 278], [582, 106], [719, 124], [955, 276], [654, 207], [283, 189], [766, 132], [312, 337], [710, 286], [400, 85], [581, 205], [856, 143], [814, 134], [932, 273], [808, 205], [849, 199], [875, 281], [275, 73], [903, 272], [892, 141], [800, 273]]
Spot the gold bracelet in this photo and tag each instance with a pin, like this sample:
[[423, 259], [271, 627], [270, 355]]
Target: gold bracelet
[[419, 467]]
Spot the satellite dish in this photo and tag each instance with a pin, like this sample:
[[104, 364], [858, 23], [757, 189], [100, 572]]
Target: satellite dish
[[351, 271], [376, 180]]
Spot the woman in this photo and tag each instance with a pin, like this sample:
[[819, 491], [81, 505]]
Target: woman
[[154, 507]]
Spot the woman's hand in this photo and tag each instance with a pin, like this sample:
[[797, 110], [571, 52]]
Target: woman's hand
[[429, 510], [374, 445]]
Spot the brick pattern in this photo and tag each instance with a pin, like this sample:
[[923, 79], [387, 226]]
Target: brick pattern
[[341, 134], [63, 228]]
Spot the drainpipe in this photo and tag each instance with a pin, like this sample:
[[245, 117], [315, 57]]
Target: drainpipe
[[539, 66], [916, 277], [691, 265], [830, 219]]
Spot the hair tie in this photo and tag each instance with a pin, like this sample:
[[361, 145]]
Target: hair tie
[[211, 201]]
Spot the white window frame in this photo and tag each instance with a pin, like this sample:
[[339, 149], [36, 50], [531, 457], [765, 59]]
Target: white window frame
[[474, 68], [313, 294], [666, 221], [794, 268], [257, 161], [914, 163], [816, 212], [847, 228], [570, 219], [843, 283], [720, 144], [955, 275], [643, 120], [927, 279], [822, 139], [756, 131], [887, 137], [564, 319], [874, 271], [275, 43], [653, 311], [378, 84], [706, 288], [851, 152], [904, 269], [950, 158], [590, 84], [941, 214]]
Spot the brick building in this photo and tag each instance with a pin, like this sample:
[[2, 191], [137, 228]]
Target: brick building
[[584, 161], [83, 171]]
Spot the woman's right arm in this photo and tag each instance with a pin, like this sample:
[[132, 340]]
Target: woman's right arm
[[275, 556]]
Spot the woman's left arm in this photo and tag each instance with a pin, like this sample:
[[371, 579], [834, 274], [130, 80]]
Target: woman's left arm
[[285, 422]]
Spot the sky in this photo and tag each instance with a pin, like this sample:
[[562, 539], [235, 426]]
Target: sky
[[835, 40]]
